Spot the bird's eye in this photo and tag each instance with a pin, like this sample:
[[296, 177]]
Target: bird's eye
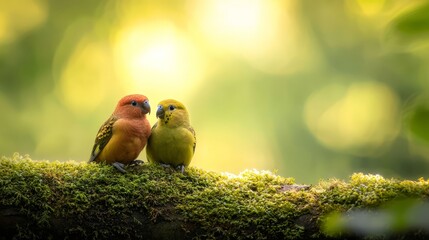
[[171, 107], [134, 103]]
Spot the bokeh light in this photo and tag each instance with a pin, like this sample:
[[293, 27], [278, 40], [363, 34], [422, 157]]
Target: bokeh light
[[367, 7], [156, 58], [364, 115], [86, 76], [16, 20], [236, 25], [262, 32]]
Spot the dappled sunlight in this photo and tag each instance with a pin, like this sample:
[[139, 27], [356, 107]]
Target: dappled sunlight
[[233, 24], [154, 57], [361, 118], [262, 32]]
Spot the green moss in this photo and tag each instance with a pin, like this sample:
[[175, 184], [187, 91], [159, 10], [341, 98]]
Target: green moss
[[367, 191], [234, 205], [100, 202]]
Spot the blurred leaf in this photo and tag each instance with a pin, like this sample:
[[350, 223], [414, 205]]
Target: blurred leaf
[[333, 224], [402, 212], [411, 25], [417, 121], [413, 22], [398, 216]]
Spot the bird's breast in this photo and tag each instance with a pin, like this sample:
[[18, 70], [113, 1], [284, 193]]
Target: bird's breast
[[129, 137], [171, 145]]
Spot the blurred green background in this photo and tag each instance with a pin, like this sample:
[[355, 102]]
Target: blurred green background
[[312, 89]]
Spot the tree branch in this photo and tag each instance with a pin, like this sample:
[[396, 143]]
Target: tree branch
[[42, 199]]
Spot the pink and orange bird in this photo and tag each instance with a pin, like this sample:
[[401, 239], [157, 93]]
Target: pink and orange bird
[[123, 136]]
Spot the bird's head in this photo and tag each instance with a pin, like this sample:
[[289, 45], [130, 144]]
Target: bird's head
[[172, 113], [133, 106]]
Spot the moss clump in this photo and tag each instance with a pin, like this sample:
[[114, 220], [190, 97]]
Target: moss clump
[[249, 205], [76, 199], [367, 191]]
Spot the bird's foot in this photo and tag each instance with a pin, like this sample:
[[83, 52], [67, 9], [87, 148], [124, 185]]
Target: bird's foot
[[165, 165], [181, 168], [136, 162], [119, 166]]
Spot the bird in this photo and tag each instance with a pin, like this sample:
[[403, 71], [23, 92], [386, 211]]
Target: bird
[[173, 140], [124, 134]]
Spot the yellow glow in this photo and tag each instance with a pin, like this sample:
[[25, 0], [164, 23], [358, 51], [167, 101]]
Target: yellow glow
[[155, 58], [18, 17], [220, 150], [364, 115], [368, 7], [233, 24], [85, 77], [240, 19], [261, 31]]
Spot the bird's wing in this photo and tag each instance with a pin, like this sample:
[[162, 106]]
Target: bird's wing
[[103, 136], [195, 136]]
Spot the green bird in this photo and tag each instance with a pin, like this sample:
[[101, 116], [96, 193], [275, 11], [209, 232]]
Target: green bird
[[172, 141]]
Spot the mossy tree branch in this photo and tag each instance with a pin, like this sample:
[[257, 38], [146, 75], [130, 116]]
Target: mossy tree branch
[[41, 199]]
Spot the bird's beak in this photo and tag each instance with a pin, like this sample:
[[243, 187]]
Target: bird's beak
[[160, 112], [146, 107]]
